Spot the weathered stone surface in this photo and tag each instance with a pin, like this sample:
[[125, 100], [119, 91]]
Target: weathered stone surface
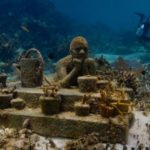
[[87, 83], [5, 101], [30, 76], [68, 98], [18, 103], [102, 84], [30, 96], [69, 125], [49, 105], [81, 109]]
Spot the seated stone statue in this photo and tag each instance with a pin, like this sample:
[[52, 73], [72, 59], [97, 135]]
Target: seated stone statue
[[76, 64]]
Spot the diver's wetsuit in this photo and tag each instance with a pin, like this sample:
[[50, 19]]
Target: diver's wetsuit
[[144, 28]]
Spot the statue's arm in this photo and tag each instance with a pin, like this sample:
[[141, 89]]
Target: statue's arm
[[66, 78], [90, 67]]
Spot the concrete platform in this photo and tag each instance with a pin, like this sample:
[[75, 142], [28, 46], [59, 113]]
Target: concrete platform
[[68, 96], [68, 125], [65, 124], [30, 96]]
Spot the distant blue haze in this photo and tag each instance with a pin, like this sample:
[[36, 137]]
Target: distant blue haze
[[117, 14]]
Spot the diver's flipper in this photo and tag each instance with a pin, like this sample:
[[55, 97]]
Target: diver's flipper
[[141, 15]]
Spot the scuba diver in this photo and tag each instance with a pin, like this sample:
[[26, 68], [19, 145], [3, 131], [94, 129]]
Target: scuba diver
[[143, 31]]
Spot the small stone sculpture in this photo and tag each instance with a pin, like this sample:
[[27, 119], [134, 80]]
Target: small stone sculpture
[[31, 68], [50, 102]]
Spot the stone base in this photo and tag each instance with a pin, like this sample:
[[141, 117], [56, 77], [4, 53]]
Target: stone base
[[69, 125], [68, 96], [18, 103], [66, 124], [50, 105], [30, 96]]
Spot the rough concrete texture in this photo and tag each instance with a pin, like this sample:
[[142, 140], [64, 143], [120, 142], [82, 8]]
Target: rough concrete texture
[[69, 125], [50, 105], [87, 83], [30, 96], [81, 109], [5, 101], [30, 75], [68, 97], [18, 103]]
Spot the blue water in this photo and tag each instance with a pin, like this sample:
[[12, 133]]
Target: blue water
[[118, 14], [49, 25]]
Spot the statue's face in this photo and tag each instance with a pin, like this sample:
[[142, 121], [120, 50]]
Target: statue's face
[[79, 52]]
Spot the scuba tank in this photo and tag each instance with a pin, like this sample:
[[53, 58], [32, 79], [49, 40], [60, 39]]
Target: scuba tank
[[140, 31]]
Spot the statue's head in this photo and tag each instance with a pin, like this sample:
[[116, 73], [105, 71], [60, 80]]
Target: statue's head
[[79, 47]]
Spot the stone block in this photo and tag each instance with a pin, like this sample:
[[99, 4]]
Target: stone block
[[81, 109], [68, 98], [50, 105], [87, 83], [30, 96], [18, 103]]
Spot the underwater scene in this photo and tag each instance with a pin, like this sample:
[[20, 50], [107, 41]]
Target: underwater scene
[[74, 75]]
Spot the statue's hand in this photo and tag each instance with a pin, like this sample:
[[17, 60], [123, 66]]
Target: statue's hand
[[77, 62]]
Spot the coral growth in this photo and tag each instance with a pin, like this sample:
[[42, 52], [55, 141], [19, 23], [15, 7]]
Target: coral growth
[[14, 139], [128, 79], [49, 91]]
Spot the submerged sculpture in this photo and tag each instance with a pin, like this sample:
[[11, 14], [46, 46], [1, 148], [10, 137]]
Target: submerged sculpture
[[31, 68], [93, 105], [76, 64]]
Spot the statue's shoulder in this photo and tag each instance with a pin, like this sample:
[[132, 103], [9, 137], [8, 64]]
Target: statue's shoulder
[[64, 61]]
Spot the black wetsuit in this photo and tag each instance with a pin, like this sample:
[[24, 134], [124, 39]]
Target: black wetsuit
[[143, 29]]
